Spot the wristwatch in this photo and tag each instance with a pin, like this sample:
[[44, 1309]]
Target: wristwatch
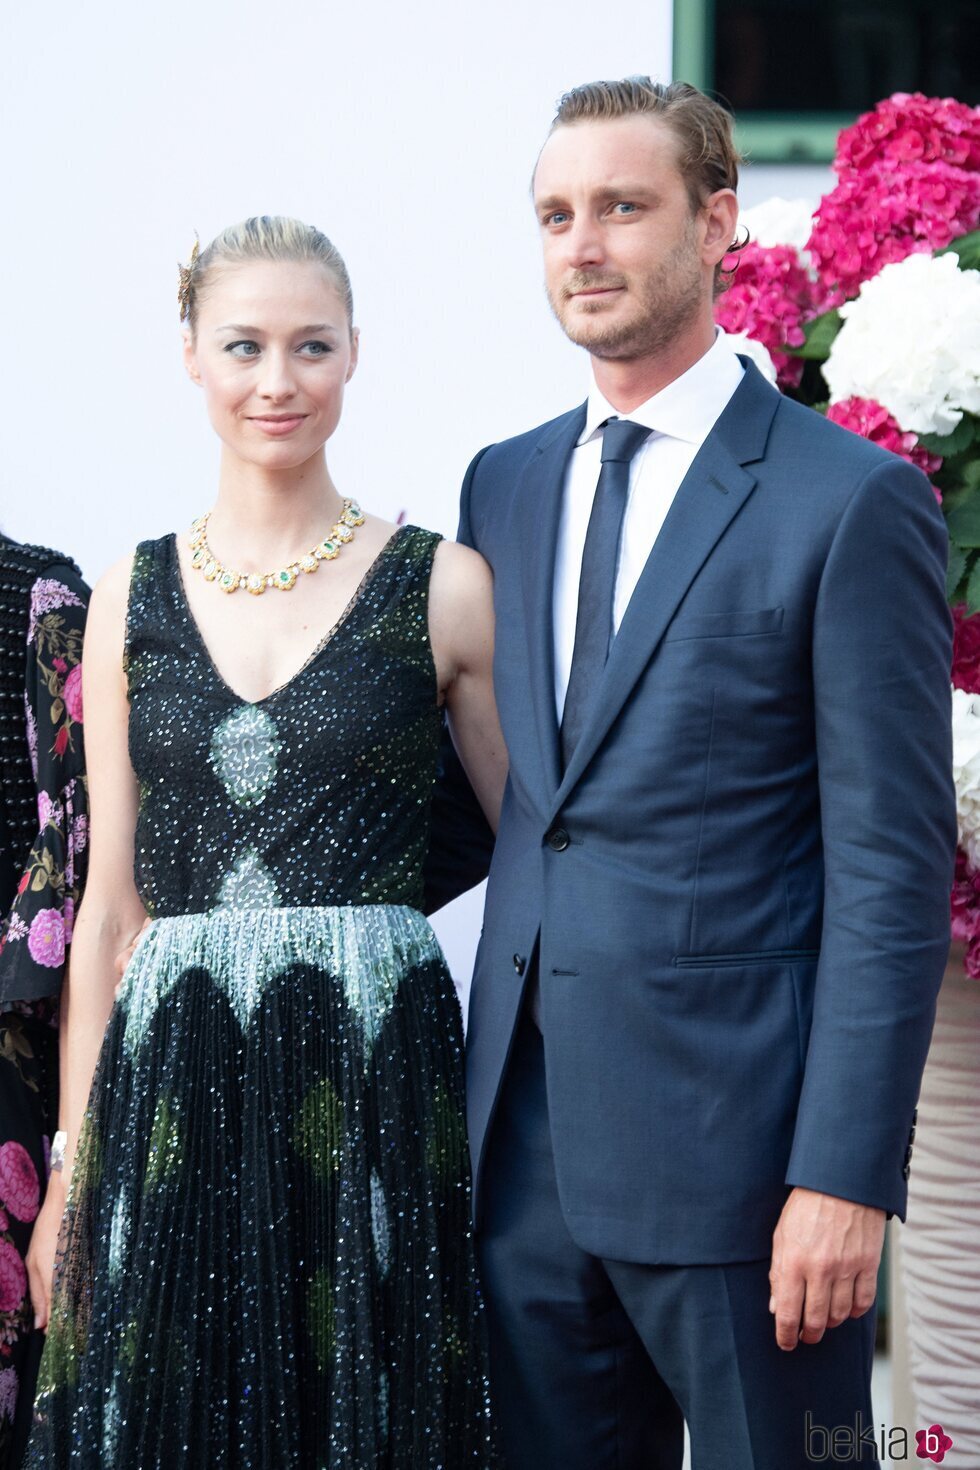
[[58, 1145]]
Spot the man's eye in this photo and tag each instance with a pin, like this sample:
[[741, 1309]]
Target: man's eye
[[243, 349], [625, 207], [557, 217]]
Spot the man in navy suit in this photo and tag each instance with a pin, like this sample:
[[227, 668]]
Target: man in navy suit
[[718, 909]]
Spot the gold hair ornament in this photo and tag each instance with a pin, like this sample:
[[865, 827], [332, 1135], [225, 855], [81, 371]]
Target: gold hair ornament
[[185, 275]]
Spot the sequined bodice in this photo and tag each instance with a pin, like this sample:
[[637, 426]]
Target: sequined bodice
[[318, 794]]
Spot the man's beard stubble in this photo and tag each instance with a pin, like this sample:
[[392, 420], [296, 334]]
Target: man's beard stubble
[[667, 301]]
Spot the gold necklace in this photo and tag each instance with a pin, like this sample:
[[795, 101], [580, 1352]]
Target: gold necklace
[[204, 560]]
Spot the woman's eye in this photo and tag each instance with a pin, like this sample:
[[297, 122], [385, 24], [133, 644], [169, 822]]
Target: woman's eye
[[243, 349], [316, 349]]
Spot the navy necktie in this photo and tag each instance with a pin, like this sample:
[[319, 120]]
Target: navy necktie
[[594, 619]]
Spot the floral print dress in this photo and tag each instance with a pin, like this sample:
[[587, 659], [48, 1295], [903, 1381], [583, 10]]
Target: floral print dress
[[35, 931]]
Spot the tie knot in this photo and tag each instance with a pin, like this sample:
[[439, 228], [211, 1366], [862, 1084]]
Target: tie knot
[[621, 438]]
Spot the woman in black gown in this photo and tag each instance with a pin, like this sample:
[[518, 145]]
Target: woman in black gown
[[43, 854], [267, 1259]]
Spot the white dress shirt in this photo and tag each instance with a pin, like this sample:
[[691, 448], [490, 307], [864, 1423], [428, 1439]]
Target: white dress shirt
[[680, 417]]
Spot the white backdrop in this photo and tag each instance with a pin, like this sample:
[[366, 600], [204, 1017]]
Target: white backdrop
[[407, 133]]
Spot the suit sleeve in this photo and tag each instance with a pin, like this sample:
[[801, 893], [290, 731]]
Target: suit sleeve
[[461, 841], [882, 642]]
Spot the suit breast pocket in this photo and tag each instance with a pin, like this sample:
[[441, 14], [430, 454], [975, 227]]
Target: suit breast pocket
[[735, 624]]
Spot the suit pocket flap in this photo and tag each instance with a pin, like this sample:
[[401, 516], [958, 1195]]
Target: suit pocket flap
[[735, 624]]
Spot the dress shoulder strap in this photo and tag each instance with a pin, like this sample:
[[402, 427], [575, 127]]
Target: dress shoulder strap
[[150, 607]]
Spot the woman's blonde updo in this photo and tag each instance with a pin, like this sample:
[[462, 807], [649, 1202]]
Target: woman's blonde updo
[[263, 237]]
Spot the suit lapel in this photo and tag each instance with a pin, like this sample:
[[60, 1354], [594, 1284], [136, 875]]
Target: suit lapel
[[711, 495], [541, 494]]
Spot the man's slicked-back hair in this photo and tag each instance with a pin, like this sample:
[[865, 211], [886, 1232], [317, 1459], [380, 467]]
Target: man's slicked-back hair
[[708, 158]]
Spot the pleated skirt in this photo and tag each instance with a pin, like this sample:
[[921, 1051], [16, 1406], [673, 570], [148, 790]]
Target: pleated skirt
[[266, 1258]]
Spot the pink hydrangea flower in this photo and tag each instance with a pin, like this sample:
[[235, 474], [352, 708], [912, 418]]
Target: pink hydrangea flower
[[46, 941], [769, 298], [966, 650], [13, 1278], [865, 417], [911, 128], [72, 694], [19, 1188], [68, 911], [881, 215]]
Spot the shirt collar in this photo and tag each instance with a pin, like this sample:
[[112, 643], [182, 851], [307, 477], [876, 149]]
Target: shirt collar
[[687, 408]]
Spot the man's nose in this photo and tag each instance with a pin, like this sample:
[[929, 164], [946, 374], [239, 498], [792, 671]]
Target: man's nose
[[584, 244]]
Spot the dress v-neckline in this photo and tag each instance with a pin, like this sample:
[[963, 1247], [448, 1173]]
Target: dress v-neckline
[[328, 637]]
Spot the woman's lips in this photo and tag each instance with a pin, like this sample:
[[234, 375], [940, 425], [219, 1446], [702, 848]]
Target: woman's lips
[[276, 428]]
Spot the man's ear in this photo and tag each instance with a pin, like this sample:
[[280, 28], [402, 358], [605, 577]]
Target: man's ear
[[190, 357], [720, 213]]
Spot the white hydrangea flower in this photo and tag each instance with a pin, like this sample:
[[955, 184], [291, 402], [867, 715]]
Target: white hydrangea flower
[[779, 222], [966, 771], [911, 341], [749, 347]]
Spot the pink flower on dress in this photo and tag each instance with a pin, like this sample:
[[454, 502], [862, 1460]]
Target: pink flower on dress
[[31, 735], [19, 1188], [8, 1393], [46, 941], [4, 1220], [47, 595], [13, 1278], [79, 832], [72, 694], [68, 912], [60, 665], [882, 215], [911, 128], [966, 650], [61, 741], [769, 299], [48, 812], [865, 417]]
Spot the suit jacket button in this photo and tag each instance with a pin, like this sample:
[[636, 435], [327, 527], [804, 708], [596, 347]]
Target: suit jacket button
[[915, 1116], [558, 839], [906, 1172], [908, 1154], [912, 1134], [519, 963]]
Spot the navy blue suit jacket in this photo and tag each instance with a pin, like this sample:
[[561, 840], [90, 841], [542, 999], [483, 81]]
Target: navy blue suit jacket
[[738, 891]]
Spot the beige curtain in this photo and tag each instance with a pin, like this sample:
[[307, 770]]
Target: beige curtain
[[936, 1327]]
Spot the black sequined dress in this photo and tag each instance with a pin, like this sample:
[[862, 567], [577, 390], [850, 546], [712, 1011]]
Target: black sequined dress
[[266, 1259]]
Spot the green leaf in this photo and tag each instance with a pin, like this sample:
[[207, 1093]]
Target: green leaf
[[963, 523], [954, 574], [967, 247], [973, 589], [955, 443], [820, 334]]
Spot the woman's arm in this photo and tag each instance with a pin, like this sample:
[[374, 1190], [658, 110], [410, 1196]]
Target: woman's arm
[[110, 913], [461, 623]]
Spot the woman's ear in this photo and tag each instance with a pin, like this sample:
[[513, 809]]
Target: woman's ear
[[355, 347], [190, 357]]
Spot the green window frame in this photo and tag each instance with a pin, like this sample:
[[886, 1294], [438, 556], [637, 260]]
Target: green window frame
[[797, 137]]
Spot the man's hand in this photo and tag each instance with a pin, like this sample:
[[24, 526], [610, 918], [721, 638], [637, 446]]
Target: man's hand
[[825, 1255]]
